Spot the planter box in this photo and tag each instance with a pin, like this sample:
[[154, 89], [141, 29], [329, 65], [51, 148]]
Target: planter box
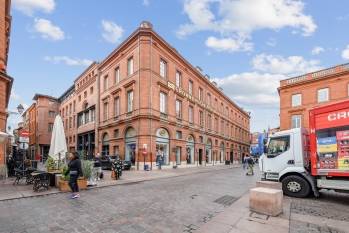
[[64, 186]]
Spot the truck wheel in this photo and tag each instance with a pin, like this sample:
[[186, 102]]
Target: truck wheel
[[295, 186]]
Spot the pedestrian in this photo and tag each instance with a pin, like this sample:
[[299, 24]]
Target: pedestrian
[[159, 158], [74, 169], [244, 162], [250, 163]]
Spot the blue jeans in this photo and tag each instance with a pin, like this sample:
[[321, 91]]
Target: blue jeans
[[73, 183]]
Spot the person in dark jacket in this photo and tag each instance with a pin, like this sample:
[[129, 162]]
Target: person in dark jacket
[[74, 169]]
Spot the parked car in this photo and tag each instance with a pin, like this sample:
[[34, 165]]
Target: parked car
[[107, 160], [126, 165]]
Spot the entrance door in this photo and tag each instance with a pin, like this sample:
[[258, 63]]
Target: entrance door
[[200, 156], [130, 154], [178, 155], [231, 156]]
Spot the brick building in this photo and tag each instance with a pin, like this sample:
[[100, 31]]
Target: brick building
[[5, 79], [78, 110], [39, 119], [299, 94], [150, 96], [145, 94]]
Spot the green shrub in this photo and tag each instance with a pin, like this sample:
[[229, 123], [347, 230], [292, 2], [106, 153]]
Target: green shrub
[[87, 167], [50, 164]]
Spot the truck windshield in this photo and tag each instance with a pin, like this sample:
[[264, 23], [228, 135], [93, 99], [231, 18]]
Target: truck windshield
[[278, 145]]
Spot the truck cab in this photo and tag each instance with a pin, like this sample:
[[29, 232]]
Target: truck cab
[[286, 159]]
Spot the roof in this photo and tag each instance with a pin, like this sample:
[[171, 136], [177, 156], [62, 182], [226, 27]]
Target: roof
[[36, 96], [70, 89]]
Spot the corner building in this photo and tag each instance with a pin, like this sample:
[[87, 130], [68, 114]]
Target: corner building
[[151, 99], [300, 94]]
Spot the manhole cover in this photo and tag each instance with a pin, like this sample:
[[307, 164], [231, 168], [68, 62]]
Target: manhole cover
[[226, 200]]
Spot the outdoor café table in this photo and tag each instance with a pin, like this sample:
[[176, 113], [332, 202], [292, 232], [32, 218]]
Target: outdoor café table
[[24, 173], [40, 180]]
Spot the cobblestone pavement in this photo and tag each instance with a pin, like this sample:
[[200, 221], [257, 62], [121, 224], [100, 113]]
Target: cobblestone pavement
[[327, 214], [178, 204]]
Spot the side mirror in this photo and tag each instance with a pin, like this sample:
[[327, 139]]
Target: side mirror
[[265, 141]]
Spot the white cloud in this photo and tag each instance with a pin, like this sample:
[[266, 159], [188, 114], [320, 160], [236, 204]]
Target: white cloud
[[252, 89], [48, 30], [28, 7], [68, 61], [15, 96], [345, 53], [240, 18], [228, 44], [317, 50], [292, 65], [111, 31], [146, 2]]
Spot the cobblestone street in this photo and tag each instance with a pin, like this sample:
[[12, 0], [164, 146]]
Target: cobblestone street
[[327, 214], [179, 204]]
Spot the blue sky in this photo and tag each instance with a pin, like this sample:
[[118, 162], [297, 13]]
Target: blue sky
[[246, 46]]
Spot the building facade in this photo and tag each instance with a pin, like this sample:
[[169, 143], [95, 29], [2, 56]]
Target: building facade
[[39, 120], [78, 111], [5, 79], [153, 100], [299, 94], [144, 99]]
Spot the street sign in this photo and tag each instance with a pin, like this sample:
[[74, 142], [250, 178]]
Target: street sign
[[23, 139], [24, 134]]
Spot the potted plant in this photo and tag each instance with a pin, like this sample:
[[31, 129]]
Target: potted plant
[[86, 167], [50, 164]]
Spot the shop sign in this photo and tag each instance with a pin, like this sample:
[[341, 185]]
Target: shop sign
[[332, 119], [187, 95]]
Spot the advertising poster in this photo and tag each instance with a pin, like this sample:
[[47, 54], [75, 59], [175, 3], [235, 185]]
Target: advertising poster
[[327, 152], [343, 149]]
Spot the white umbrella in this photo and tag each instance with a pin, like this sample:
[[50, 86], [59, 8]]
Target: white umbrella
[[58, 147]]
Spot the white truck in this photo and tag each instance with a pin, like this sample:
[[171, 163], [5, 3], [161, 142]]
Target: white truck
[[307, 162]]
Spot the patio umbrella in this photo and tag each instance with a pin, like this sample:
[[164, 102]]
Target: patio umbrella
[[58, 147]]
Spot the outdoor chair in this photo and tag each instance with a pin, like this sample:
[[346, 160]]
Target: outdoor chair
[[41, 179]]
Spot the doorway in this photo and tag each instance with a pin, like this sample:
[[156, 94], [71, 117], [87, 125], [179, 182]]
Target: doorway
[[200, 156]]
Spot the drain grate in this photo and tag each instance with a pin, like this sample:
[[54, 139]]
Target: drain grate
[[190, 228], [226, 200]]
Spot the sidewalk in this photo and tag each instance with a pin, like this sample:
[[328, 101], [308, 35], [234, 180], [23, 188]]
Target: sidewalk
[[9, 191], [237, 218]]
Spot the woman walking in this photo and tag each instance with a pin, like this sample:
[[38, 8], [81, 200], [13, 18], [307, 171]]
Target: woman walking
[[74, 169]]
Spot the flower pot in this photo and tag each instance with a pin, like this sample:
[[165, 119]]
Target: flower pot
[[64, 185], [82, 183]]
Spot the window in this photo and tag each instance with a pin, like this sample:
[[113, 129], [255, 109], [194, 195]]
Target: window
[[209, 122], [74, 106], [91, 90], [178, 134], [190, 87], [87, 117], [278, 145], [201, 118], [50, 127], [209, 99], [116, 133], [80, 119], [178, 109], [190, 113], [117, 106], [93, 114], [79, 98], [216, 124], [117, 75], [85, 94], [70, 122], [105, 83], [105, 111], [296, 121], [74, 119], [200, 93], [130, 66], [296, 100], [178, 79], [129, 101], [51, 114], [322, 95], [163, 68], [163, 101]]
